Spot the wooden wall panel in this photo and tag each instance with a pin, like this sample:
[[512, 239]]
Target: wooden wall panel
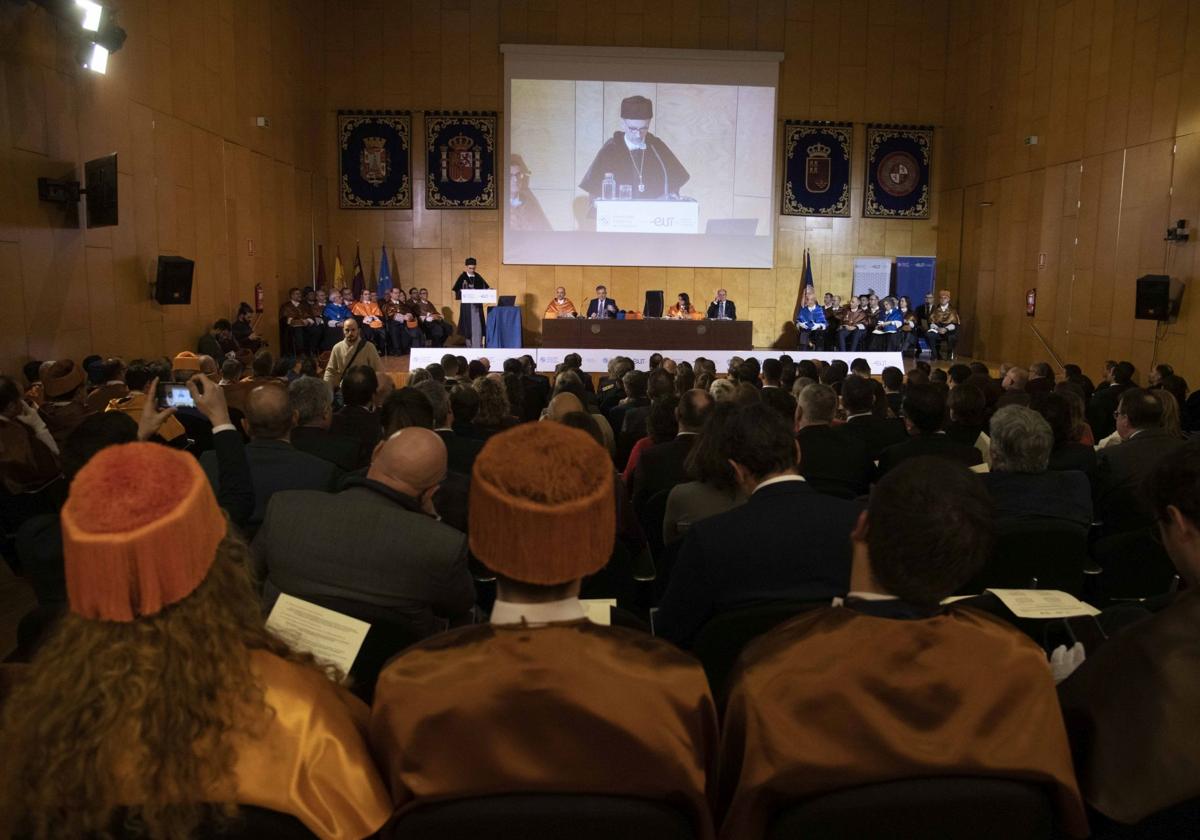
[[859, 60], [1110, 89], [177, 104]]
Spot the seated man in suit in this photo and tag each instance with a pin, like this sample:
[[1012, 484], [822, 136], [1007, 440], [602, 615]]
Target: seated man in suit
[[722, 309], [601, 306], [832, 460], [801, 547], [1104, 402], [1022, 488], [924, 417], [887, 684], [1131, 707], [878, 433], [357, 419], [312, 400], [1120, 499], [275, 464], [540, 677], [461, 451], [388, 552], [661, 467]]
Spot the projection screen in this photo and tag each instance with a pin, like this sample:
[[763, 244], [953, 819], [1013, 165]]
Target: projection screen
[[641, 157]]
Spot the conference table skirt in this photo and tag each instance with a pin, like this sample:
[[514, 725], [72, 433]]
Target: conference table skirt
[[656, 333]]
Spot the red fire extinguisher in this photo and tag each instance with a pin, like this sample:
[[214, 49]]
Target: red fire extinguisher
[[258, 297], [1031, 302]]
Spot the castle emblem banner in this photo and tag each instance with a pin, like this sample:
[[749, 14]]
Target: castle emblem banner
[[898, 160], [461, 160], [373, 160], [816, 168]]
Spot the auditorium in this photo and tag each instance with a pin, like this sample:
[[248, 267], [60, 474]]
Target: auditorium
[[596, 419]]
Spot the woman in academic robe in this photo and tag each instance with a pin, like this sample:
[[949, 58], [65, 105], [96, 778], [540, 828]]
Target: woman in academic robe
[[683, 310], [160, 698], [908, 335]]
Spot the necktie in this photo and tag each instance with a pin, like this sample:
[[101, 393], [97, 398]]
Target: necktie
[[721, 314]]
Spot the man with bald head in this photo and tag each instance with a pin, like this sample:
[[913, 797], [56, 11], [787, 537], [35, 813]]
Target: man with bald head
[[275, 464], [390, 559], [565, 403]]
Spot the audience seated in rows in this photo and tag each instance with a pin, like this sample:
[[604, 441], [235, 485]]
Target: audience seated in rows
[[924, 416]]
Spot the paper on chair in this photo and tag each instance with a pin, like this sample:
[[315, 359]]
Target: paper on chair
[[330, 636], [598, 610], [1043, 603]]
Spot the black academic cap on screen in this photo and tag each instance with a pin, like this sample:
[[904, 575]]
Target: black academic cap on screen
[[470, 261], [636, 108]]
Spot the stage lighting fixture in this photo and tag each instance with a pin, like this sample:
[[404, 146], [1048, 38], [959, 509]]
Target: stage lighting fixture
[[96, 59], [92, 12]]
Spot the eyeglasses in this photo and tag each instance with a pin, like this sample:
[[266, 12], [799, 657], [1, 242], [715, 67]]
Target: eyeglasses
[[1118, 414]]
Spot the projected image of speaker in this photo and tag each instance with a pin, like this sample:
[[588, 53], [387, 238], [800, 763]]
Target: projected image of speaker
[[173, 283], [100, 187]]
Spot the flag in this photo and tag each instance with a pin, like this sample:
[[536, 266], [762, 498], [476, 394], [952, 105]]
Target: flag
[[339, 273], [385, 275], [357, 283], [319, 279], [806, 282]]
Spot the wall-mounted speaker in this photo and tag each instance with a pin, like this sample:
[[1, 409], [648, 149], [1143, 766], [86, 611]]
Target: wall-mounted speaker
[[1158, 298], [173, 282]]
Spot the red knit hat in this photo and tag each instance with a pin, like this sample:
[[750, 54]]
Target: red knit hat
[[542, 504], [140, 530]]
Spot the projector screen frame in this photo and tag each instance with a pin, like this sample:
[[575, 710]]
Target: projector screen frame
[[729, 68]]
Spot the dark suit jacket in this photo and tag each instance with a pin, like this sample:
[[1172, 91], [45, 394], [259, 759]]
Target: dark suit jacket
[[800, 551], [616, 417], [938, 445], [661, 468], [274, 465], [1023, 498], [460, 451], [609, 304], [730, 310], [368, 544], [364, 426], [835, 461], [877, 433], [1074, 456], [536, 395], [1101, 407], [1013, 398], [341, 450], [1120, 502]]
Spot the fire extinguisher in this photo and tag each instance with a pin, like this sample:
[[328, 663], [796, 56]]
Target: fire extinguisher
[[258, 297], [1031, 302]]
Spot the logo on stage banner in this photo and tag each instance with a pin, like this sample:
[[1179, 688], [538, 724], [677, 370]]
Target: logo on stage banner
[[898, 160], [461, 159], [373, 160], [816, 169]]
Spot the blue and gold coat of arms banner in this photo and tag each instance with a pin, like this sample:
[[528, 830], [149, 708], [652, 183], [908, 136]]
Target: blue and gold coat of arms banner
[[461, 150], [898, 160], [373, 160], [816, 169]]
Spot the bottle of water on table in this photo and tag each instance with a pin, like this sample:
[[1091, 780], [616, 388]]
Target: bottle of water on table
[[608, 187]]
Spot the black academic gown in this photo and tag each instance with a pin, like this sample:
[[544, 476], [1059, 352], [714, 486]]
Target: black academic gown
[[466, 324], [662, 173]]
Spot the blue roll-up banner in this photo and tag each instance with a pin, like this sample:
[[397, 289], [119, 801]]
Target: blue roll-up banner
[[915, 277]]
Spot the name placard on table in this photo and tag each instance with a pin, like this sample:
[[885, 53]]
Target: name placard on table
[[647, 217], [479, 296]]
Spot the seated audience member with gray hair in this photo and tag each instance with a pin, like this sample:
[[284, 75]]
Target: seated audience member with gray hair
[[1020, 484], [832, 460], [312, 401]]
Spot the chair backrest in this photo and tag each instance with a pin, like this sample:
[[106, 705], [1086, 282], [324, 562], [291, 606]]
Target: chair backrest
[[545, 817], [653, 307], [615, 580], [251, 823], [948, 808], [721, 640], [1134, 564], [1053, 552], [651, 518]]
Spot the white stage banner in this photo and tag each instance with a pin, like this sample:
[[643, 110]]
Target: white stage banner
[[596, 361], [872, 274], [647, 217]]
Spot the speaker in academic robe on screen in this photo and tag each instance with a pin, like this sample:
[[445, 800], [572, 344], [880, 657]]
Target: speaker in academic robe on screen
[[173, 283], [1153, 301]]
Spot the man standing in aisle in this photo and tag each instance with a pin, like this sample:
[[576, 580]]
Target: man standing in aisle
[[470, 315]]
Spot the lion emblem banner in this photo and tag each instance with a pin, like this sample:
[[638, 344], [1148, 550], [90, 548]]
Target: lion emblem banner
[[816, 169], [373, 160], [461, 156], [898, 159]]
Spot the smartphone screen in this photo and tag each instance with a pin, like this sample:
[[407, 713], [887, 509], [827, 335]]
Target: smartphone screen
[[174, 395]]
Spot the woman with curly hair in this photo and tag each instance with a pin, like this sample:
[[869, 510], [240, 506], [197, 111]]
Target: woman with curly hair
[[160, 702], [495, 414]]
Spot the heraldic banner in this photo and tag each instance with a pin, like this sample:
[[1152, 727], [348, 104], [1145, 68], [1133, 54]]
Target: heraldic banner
[[461, 149], [373, 160], [816, 168], [898, 159]]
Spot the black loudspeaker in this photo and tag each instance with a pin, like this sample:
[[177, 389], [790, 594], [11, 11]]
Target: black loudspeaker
[[173, 283], [1153, 298]]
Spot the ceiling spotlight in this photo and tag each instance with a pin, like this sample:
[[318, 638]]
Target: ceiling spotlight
[[97, 60], [92, 12]]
